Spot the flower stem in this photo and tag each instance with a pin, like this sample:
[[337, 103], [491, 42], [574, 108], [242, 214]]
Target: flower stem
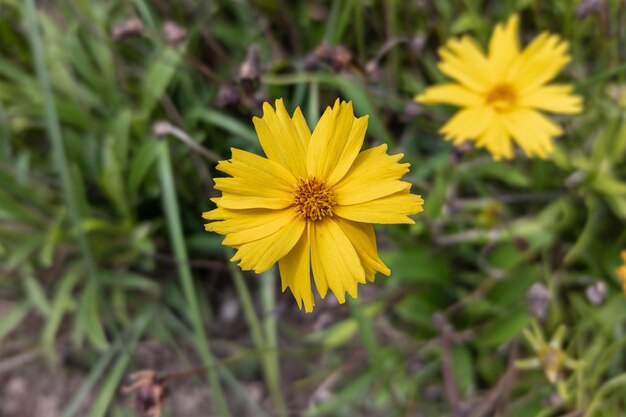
[[268, 299], [266, 344], [170, 205]]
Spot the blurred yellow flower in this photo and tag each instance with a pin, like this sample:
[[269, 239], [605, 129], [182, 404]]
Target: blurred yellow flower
[[311, 203], [621, 271], [503, 92]]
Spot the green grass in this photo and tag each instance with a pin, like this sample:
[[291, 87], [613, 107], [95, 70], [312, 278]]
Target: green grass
[[102, 247]]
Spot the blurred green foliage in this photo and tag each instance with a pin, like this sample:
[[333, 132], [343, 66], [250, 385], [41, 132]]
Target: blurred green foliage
[[102, 244]]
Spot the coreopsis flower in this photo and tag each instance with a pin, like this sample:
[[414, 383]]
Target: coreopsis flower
[[502, 93], [621, 271], [311, 203]]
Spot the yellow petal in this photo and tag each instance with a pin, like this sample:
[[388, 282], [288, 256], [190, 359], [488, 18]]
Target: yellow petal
[[336, 264], [374, 174], [335, 143], [280, 139], [295, 272], [248, 166], [463, 60], [531, 131], [258, 227], [394, 208], [233, 221], [539, 63], [556, 98], [257, 182], [249, 187], [261, 254], [504, 46], [497, 140], [240, 201], [304, 133], [364, 241], [450, 93], [467, 124], [347, 149]]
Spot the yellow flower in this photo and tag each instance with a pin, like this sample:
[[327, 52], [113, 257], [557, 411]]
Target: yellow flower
[[311, 203], [503, 93], [621, 271]]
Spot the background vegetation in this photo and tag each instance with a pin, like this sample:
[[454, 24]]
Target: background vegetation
[[112, 116]]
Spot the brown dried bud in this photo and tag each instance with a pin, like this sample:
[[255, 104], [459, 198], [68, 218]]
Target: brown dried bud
[[227, 96], [150, 392], [588, 7], [131, 27], [310, 62], [173, 33], [538, 300], [338, 57], [250, 70]]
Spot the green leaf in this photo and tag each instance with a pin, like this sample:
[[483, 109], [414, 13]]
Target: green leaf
[[228, 123], [62, 303], [503, 329], [112, 177], [36, 294], [13, 318], [110, 386], [120, 133], [89, 316], [130, 281], [418, 264], [463, 368], [158, 77], [145, 158]]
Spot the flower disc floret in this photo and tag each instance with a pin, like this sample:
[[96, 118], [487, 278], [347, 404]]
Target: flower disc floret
[[313, 199]]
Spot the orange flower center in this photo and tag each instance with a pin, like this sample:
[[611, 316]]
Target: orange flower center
[[313, 199], [502, 97]]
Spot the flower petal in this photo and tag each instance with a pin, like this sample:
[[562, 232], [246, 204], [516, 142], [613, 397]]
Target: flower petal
[[497, 140], [257, 182], [364, 241], [295, 272], [336, 264], [531, 131], [280, 139], [556, 98], [394, 208], [348, 149], [335, 143], [301, 127], [232, 221], [539, 63], [451, 93], [464, 61], [374, 174], [467, 124], [260, 255], [504, 46], [257, 226]]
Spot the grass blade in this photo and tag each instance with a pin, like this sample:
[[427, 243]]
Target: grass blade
[[180, 252]]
